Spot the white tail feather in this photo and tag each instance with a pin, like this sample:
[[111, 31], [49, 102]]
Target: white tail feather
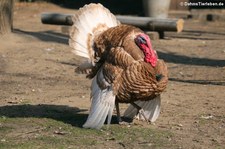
[[151, 109], [89, 21]]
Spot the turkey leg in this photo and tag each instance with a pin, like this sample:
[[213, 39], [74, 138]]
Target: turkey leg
[[118, 112], [120, 121], [140, 110]]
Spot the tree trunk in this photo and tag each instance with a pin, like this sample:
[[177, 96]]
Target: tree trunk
[[6, 16]]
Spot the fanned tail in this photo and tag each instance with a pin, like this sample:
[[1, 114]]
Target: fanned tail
[[151, 109], [88, 22]]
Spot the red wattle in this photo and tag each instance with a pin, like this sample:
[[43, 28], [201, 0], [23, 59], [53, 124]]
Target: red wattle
[[150, 57]]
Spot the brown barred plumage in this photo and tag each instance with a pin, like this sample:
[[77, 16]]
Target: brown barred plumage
[[117, 66]]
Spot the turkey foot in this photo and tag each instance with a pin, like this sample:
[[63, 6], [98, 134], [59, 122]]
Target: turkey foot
[[140, 111], [124, 123]]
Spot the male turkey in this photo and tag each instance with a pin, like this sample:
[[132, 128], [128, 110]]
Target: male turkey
[[122, 64]]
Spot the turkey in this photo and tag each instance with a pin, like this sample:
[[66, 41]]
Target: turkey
[[122, 64]]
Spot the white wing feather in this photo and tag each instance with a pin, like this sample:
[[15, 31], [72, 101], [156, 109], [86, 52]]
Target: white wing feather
[[102, 105]]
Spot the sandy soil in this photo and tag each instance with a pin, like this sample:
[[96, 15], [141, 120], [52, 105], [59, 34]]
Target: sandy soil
[[37, 67]]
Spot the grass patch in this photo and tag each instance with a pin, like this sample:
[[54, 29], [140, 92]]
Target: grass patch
[[59, 127], [140, 136], [48, 133]]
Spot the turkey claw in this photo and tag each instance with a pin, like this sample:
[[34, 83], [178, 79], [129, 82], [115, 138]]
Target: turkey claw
[[124, 123]]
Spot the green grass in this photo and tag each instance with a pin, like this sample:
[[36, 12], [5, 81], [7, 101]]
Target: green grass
[[41, 133], [48, 127]]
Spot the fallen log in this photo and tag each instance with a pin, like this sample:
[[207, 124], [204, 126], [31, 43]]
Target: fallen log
[[148, 23], [153, 24], [56, 19]]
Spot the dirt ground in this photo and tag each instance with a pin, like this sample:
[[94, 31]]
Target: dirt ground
[[37, 67]]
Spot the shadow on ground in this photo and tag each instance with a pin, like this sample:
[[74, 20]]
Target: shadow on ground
[[182, 59], [202, 82], [46, 36], [70, 115]]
